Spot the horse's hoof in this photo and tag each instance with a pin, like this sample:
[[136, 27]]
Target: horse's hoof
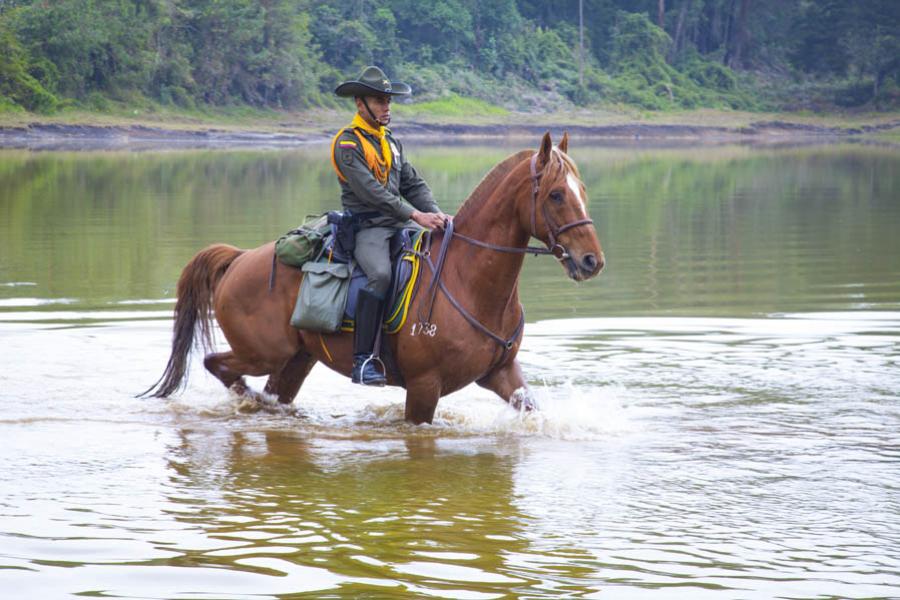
[[523, 401], [249, 404]]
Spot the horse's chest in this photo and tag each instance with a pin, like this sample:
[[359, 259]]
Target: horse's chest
[[459, 356]]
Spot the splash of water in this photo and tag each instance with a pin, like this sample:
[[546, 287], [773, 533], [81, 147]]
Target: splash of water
[[570, 411]]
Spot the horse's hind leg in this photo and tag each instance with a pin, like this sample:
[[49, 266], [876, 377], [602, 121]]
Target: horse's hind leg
[[230, 370], [286, 382], [508, 382]]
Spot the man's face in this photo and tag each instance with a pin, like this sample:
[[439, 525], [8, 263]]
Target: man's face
[[380, 106]]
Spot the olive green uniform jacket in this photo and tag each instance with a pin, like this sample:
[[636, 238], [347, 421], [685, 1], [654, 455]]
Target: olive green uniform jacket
[[361, 193]]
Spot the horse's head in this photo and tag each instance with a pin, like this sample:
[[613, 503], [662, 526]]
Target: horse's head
[[558, 211]]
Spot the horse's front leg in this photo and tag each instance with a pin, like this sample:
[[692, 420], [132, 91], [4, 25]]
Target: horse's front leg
[[422, 397], [508, 382]]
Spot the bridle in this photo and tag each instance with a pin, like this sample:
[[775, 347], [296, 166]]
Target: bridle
[[553, 232]]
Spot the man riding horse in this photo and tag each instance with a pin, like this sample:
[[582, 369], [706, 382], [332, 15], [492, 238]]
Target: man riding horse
[[383, 192]]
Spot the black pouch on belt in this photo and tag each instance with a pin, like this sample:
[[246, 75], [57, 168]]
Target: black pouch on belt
[[346, 224], [344, 232]]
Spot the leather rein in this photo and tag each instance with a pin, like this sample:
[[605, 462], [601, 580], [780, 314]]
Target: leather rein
[[553, 231]]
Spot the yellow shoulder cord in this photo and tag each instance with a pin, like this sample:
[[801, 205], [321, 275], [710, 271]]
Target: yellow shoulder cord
[[337, 169], [379, 165]]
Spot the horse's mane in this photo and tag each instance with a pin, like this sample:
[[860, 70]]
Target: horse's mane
[[490, 182]]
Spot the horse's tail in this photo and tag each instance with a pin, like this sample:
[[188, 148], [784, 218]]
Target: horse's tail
[[193, 310]]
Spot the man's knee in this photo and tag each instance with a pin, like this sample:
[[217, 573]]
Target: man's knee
[[379, 280], [373, 255]]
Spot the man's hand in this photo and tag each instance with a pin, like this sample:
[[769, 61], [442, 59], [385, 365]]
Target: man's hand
[[430, 220]]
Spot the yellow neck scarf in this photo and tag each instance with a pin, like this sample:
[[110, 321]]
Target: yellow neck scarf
[[379, 165]]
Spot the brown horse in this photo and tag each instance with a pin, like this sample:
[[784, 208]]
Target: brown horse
[[475, 321]]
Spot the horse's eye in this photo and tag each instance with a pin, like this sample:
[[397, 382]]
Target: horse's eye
[[556, 196]]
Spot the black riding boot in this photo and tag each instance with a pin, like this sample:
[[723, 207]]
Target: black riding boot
[[368, 319]]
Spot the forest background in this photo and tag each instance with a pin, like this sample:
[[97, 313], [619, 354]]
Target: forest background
[[460, 56]]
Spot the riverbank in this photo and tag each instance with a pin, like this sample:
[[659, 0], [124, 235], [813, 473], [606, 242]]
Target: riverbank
[[78, 130]]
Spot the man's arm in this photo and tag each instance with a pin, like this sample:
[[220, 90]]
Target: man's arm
[[415, 190], [413, 187]]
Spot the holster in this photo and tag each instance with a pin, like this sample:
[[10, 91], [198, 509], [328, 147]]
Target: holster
[[346, 224]]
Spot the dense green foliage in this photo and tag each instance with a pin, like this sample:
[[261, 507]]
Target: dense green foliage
[[18, 87], [654, 54]]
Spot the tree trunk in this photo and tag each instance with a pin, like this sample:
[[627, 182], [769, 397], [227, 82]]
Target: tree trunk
[[677, 39], [734, 57], [661, 14], [581, 43]]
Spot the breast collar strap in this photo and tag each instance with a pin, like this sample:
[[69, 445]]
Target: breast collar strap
[[437, 283]]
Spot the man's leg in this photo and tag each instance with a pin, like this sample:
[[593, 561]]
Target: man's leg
[[373, 255]]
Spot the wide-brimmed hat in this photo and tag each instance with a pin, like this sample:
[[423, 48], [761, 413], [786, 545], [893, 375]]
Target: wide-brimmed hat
[[372, 82]]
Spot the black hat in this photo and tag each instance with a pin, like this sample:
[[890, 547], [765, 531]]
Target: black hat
[[372, 82]]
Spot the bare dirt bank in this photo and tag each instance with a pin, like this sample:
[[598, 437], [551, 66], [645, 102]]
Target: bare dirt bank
[[54, 136]]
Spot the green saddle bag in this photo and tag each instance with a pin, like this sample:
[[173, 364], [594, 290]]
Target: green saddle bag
[[323, 296], [303, 244]]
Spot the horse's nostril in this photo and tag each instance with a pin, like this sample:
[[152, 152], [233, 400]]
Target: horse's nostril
[[589, 263]]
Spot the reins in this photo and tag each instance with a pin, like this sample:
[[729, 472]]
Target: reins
[[553, 230], [553, 233]]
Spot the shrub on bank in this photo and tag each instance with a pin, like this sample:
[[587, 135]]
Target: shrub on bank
[[18, 85], [641, 75]]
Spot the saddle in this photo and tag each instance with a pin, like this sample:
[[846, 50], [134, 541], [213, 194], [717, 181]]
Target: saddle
[[405, 249]]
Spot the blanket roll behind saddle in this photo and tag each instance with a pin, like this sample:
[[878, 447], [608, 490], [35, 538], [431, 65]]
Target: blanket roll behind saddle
[[323, 296], [303, 244]]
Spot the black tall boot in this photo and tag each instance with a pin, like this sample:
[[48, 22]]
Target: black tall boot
[[368, 319]]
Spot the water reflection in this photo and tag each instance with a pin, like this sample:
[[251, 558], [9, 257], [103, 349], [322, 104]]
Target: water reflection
[[755, 458], [727, 230], [389, 513], [720, 409]]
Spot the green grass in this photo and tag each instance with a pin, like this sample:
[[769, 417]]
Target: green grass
[[452, 105], [8, 107], [141, 111], [891, 136], [450, 109]]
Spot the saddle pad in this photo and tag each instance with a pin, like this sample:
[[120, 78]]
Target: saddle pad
[[403, 284]]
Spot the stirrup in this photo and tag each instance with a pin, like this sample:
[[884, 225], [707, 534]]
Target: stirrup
[[379, 382], [383, 372]]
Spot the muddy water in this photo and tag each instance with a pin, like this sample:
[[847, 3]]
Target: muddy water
[[720, 408]]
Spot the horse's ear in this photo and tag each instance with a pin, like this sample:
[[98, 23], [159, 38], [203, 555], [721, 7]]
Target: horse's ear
[[564, 143], [546, 147]]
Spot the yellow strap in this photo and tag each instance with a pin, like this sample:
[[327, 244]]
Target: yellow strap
[[410, 286], [337, 169], [325, 348]]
